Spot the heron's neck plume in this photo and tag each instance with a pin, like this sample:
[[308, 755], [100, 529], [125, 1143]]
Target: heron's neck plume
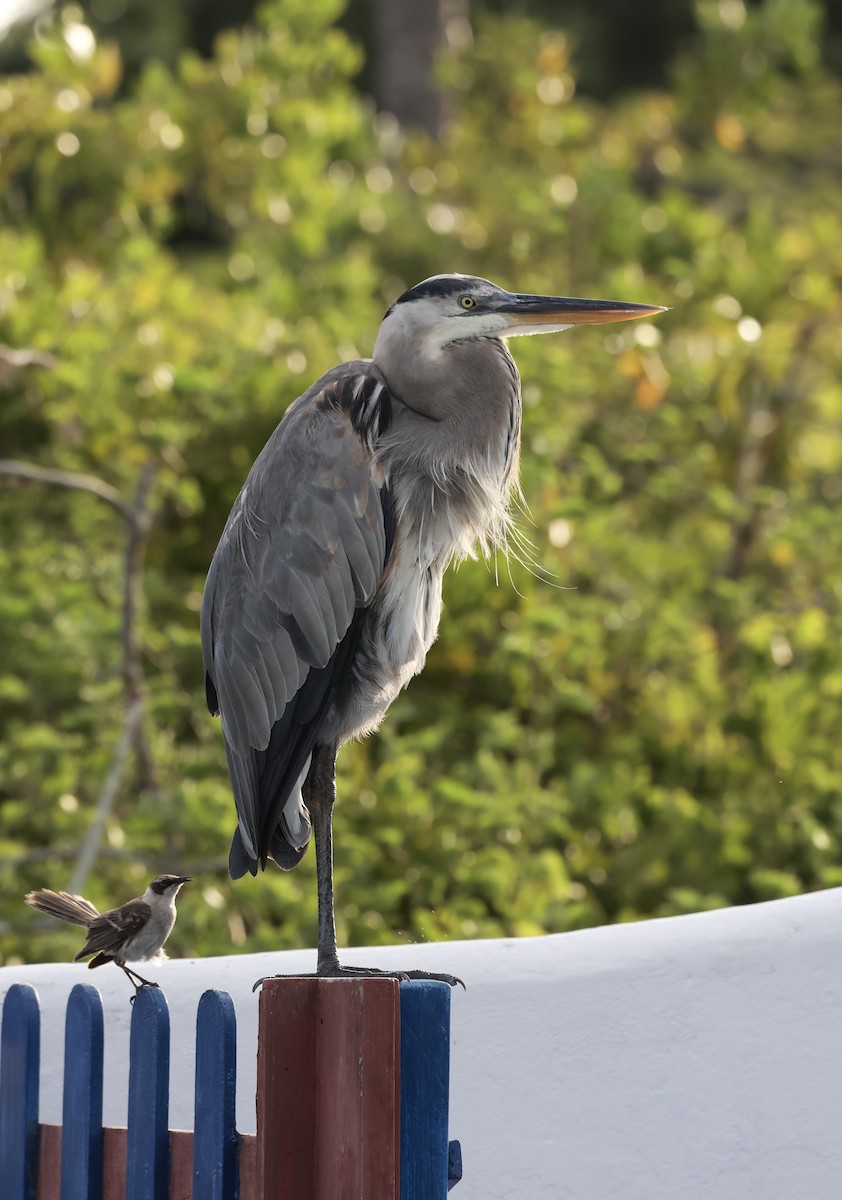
[[451, 453]]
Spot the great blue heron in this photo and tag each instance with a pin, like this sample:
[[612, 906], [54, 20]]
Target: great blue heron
[[324, 594]]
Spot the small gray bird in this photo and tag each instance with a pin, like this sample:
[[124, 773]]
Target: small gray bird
[[324, 594], [134, 932]]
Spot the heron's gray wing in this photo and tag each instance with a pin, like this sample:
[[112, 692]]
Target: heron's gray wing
[[108, 932], [298, 562]]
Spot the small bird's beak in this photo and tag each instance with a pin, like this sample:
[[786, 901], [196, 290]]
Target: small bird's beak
[[547, 314], [185, 879]]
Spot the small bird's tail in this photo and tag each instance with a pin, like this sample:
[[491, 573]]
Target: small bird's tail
[[75, 909]]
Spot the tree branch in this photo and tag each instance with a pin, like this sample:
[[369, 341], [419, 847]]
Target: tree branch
[[152, 862], [139, 520], [107, 795], [756, 456], [139, 528], [15, 359], [29, 473], [139, 523]]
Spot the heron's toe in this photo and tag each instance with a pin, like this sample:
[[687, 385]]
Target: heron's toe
[[450, 980]]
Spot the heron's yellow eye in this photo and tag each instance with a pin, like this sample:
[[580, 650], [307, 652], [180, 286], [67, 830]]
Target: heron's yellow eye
[[467, 301]]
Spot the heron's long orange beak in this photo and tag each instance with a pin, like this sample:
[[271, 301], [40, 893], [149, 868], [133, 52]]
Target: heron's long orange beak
[[532, 314]]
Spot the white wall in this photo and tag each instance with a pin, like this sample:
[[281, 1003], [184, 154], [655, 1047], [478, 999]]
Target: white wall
[[696, 1057]]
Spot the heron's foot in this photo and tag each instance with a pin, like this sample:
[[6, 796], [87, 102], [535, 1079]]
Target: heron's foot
[[437, 976], [333, 970]]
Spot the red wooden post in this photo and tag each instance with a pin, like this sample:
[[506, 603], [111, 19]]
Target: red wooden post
[[49, 1163], [248, 1167], [328, 1090], [114, 1148], [181, 1164]]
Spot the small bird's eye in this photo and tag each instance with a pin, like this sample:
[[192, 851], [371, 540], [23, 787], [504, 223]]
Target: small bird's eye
[[467, 301]]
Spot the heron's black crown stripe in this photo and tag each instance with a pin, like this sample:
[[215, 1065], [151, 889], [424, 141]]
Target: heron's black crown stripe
[[435, 287], [447, 285]]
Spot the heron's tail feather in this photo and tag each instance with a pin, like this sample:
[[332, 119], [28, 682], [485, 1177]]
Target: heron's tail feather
[[239, 859], [292, 837], [283, 854], [65, 907]]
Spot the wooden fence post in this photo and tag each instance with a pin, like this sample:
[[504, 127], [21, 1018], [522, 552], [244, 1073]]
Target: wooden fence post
[[81, 1135], [215, 1139], [328, 1090], [148, 1141], [20, 1047]]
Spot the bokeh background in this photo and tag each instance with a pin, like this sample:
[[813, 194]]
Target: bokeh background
[[199, 218]]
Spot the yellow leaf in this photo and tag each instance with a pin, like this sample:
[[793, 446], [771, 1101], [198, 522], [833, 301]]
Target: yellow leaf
[[629, 363], [729, 131], [782, 553]]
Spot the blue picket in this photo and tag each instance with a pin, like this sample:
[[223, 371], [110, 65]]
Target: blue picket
[[20, 1048], [215, 1141], [148, 1141], [454, 1164], [81, 1137], [425, 1083]]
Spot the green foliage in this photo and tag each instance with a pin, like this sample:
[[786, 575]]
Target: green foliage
[[651, 732]]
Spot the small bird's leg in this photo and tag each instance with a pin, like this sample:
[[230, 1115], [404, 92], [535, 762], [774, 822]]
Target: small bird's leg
[[137, 981]]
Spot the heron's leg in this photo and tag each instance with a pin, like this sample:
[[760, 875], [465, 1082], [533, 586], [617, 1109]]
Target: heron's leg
[[320, 796]]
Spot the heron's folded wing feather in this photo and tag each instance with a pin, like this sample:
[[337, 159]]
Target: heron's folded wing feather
[[302, 552]]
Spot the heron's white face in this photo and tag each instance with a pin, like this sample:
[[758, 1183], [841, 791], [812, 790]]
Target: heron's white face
[[455, 308], [426, 323]]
